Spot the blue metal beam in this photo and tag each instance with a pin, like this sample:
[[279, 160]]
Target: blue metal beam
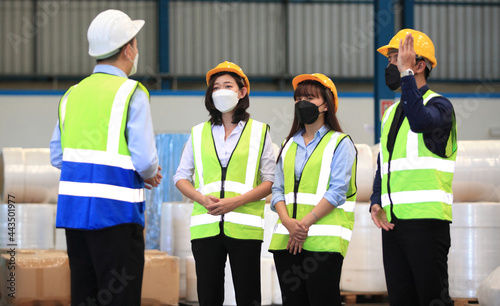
[[408, 14], [384, 31], [163, 42]]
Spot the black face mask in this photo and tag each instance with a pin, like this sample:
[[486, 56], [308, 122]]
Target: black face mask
[[307, 112], [392, 77]]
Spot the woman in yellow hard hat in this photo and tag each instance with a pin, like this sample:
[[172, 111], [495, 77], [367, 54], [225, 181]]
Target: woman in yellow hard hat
[[232, 160], [314, 194]]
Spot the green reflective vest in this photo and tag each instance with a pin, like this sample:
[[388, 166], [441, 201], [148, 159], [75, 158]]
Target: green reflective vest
[[240, 176], [331, 233], [416, 183]]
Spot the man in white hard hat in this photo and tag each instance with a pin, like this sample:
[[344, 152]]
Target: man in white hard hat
[[104, 145]]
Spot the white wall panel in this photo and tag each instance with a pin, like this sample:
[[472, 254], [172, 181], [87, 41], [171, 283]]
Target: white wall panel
[[51, 37], [62, 47], [48, 37], [204, 34], [16, 34], [332, 38]]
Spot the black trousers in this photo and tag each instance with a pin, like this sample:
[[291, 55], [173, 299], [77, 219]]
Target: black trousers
[[106, 265], [415, 256], [210, 259], [309, 278]]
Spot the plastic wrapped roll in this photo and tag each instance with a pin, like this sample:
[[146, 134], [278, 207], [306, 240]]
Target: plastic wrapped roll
[[277, 299], [12, 177], [477, 172], [365, 173], [167, 234], [176, 237], [229, 294], [363, 268], [41, 178], [60, 243], [191, 285], [266, 270], [175, 234], [34, 226], [270, 218], [488, 292], [475, 247]]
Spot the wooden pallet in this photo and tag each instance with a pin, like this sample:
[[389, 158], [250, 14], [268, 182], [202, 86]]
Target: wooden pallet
[[353, 297], [465, 302]]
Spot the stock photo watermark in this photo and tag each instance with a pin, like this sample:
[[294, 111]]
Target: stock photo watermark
[[11, 245]]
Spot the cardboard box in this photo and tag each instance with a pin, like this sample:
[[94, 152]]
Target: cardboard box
[[31, 277], [160, 284]]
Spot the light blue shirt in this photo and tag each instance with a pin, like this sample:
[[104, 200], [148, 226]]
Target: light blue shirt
[[340, 174], [140, 133]]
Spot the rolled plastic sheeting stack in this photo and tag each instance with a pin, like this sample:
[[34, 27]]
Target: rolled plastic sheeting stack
[[28, 175], [34, 226], [191, 285], [175, 237], [12, 174], [477, 172], [475, 247], [275, 283], [488, 292], [363, 268], [365, 173]]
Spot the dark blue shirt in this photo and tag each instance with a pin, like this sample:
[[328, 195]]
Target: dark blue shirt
[[434, 120]]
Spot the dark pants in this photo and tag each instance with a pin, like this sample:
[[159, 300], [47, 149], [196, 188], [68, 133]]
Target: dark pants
[[416, 262], [210, 258], [106, 265], [309, 278]]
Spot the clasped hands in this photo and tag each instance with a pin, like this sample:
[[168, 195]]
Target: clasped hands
[[298, 234], [218, 207]]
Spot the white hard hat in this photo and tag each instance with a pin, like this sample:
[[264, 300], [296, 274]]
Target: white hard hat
[[109, 31]]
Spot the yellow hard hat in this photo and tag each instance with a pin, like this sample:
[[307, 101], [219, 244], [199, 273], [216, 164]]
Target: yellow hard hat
[[422, 44], [229, 67], [323, 79]]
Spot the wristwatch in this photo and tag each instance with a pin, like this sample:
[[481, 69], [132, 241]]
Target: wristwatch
[[407, 72]]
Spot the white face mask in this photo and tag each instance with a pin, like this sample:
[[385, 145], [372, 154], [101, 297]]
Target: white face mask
[[134, 67], [225, 100]]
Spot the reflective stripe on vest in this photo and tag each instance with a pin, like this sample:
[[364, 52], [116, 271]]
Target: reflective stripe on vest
[[245, 222], [420, 180], [99, 186], [319, 230], [333, 232]]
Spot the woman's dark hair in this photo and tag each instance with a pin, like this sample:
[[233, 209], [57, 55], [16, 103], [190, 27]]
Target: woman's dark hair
[[310, 88], [240, 113]]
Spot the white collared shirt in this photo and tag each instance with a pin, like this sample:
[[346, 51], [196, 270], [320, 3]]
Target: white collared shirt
[[225, 148]]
